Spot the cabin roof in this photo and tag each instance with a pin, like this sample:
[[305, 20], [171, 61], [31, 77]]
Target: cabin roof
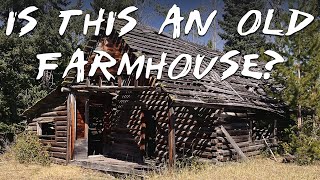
[[53, 99], [236, 91]]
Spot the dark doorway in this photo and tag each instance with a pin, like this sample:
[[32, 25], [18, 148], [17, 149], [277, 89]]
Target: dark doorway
[[150, 132], [96, 124]]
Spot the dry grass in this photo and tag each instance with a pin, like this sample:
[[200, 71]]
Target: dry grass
[[254, 169], [10, 170]]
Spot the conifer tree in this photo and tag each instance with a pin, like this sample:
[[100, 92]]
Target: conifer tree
[[19, 88], [234, 11], [300, 74]]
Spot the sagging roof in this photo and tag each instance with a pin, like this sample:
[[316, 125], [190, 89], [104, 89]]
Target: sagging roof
[[53, 99], [236, 91]]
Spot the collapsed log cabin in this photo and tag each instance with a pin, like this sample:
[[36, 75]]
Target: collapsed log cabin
[[154, 119]]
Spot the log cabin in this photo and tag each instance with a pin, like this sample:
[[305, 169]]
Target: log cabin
[[134, 122]]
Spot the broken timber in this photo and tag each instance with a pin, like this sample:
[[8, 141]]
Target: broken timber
[[265, 141], [234, 144], [111, 88]]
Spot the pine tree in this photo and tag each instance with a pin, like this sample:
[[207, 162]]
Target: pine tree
[[299, 75], [234, 11], [19, 88], [111, 5]]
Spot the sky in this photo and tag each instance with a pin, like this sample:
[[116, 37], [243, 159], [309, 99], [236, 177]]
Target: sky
[[154, 19]]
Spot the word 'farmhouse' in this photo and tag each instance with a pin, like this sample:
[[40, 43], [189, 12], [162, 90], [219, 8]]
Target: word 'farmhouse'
[[122, 125]]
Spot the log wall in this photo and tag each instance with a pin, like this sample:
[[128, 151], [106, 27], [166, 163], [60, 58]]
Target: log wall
[[197, 130], [57, 142]]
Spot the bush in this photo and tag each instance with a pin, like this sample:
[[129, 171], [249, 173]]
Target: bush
[[305, 148], [7, 133], [28, 149]]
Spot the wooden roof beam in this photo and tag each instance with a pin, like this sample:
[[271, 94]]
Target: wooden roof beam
[[112, 88]]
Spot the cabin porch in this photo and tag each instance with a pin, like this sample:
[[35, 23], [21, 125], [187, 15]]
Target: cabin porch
[[111, 165]]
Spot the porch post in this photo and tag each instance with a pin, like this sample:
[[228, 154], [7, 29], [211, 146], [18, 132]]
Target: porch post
[[86, 125], [71, 115], [171, 138], [275, 129], [86, 119]]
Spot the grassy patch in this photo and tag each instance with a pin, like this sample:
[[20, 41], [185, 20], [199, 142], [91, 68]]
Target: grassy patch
[[15, 170], [254, 169]]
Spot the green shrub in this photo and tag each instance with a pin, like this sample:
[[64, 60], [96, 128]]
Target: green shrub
[[28, 149], [305, 148]]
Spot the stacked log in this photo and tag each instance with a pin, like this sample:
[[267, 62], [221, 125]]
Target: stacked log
[[58, 142], [125, 129], [239, 128]]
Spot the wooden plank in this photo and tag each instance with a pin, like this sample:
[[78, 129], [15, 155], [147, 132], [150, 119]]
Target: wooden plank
[[87, 81], [60, 108], [171, 139], [81, 144], [62, 139], [61, 133], [86, 116], [233, 143], [61, 128], [58, 149], [265, 141], [39, 130], [119, 81], [136, 83], [62, 123], [58, 161], [58, 155], [275, 129], [68, 131], [73, 122], [111, 88], [55, 113], [54, 143], [51, 119], [71, 106], [100, 81], [250, 130]]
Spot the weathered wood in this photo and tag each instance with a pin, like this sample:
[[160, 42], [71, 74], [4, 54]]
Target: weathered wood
[[86, 115], [61, 128], [234, 144], [112, 88], [60, 108], [61, 123], [245, 149], [58, 149], [54, 113], [250, 130], [54, 143], [100, 81], [72, 127], [136, 83], [47, 136], [51, 119], [266, 143], [88, 82], [275, 130], [39, 130], [58, 161], [62, 139], [119, 81], [64, 89], [61, 133], [171, 138], [58, 155]]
